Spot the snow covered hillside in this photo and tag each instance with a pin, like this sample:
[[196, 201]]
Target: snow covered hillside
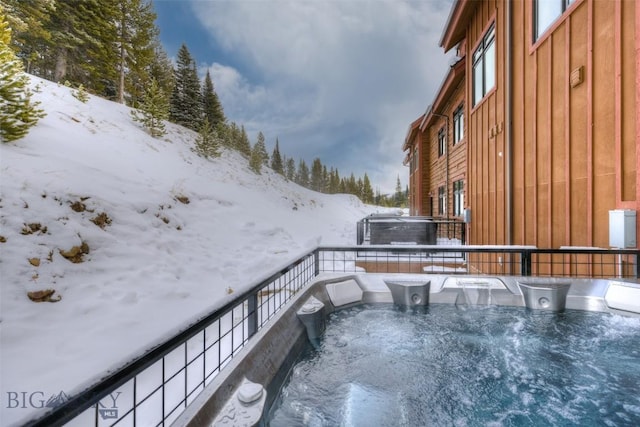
[[136, 235]]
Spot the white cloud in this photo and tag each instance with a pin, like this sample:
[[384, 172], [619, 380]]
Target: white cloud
[[328, 69]]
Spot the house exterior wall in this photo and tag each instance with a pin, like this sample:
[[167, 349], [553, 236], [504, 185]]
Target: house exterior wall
[[414, 147], [437, 170], [443, 170], [547, 170]]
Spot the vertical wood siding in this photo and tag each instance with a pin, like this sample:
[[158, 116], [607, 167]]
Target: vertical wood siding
[[574, 149]]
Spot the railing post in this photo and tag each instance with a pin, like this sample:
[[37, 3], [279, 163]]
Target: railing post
[[316, 262], [637, 266], [463, 232], [252, 318], [525, 263]]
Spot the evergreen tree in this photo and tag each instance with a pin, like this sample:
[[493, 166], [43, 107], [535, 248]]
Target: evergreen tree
[[291, 169], [211, 104], [335, 182], [83, 34], [186, 106], [325, 179], [367, 190], [352, 185], [398, 197], [28, 20], [160, 69], [153, 110], [80, 94], [316, 175], [261, 149], [256, 159], [17, 112], [245, 145], [207, 142], [302, 177], [276, 159], [136, 46], [233, 135], [360, 188]]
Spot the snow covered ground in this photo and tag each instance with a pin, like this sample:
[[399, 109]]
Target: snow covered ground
[[154, 236]]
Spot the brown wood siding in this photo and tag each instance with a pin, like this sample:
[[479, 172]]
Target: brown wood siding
[[626, 106], [486, 138], [435, 165], [574, 152]]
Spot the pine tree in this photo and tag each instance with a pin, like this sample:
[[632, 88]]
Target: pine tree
[[325, 179], [17, 112], [316, 175], [276, 159], [83, 36], [302, 178], [80, 94], [367, 190], [335, 182], [261, 149], [28, 20], [207, 142], [186, 106], [255, 161], [153, 110], [244, 146], [291, 169], [359, 187], [211, 104], [398, 197], [352, 185], [160, 69], [136, 46]]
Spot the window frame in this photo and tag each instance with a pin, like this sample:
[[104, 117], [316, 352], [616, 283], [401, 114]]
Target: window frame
[[442, 142], [458, 197], [458, 124], [442, 200], [479, 59], [539, 33]]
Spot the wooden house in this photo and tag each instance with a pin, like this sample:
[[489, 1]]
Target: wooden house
[[550, 93]]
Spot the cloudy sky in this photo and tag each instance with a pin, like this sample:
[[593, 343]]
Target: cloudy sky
[[336, 79]]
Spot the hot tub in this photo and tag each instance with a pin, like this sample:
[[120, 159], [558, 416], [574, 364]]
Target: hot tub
[[485, 306]]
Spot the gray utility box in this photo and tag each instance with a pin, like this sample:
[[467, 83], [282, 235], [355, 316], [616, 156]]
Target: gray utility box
[[622, 229], [385, 232]]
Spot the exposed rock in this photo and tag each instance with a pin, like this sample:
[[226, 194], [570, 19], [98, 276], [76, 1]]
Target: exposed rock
[[34, 261], [101, 220], [183, 199], [78, 206], [75, 254], [45, 295]]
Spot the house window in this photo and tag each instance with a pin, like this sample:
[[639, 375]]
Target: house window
[[458, 197], [442, 142], [413, 163], [458, 124], [484, 65], [545, 12], [442, 201]]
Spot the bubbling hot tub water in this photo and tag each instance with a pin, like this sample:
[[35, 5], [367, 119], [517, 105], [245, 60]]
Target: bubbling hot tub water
[[378, 364]]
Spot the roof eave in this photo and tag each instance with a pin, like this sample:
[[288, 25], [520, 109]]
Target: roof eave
[[414, 127], [455, 28], [450, 83]]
